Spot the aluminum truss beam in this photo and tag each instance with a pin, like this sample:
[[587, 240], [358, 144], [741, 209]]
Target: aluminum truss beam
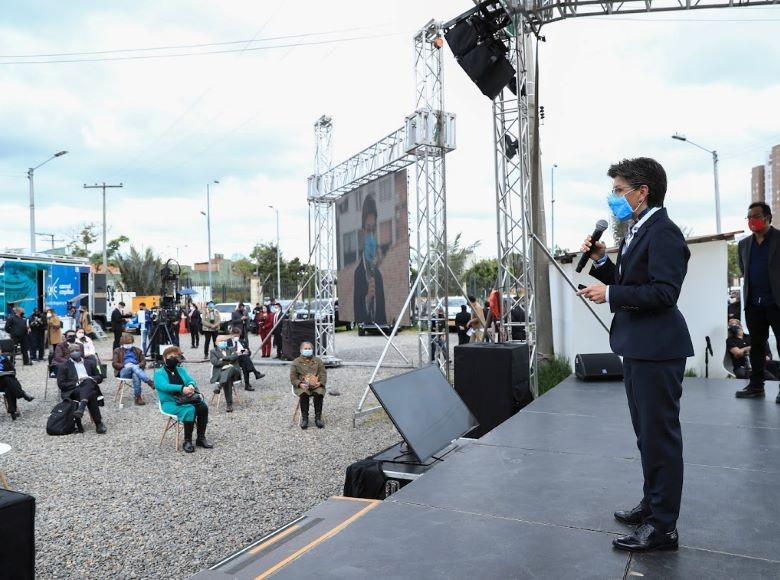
[[539, 12], [322, 239]]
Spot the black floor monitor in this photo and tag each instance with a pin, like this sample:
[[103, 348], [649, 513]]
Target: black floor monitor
[[425, 409]]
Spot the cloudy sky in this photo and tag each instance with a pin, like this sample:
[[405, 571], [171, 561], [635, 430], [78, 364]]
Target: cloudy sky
[[165, 127]]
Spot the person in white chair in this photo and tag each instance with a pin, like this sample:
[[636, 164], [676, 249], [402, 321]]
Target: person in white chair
[[225, 369], [172, 380], [308, 377], [129, 363]]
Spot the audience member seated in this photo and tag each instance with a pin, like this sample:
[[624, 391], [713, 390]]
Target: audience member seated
[[244, 359], [62, 352], [738, 345], [172, 381], [225, 369], [308, 377], [129, 363], [78, 379], [11, 387]]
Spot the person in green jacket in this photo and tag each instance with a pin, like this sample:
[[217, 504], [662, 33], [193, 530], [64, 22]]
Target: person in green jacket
[[173, 379]]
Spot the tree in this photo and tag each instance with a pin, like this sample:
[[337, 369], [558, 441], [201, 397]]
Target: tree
[[481, 277], [140, 272], [112, 247], [264, 258], [80, 240], [244, 268], [457, 255], [732, 269]]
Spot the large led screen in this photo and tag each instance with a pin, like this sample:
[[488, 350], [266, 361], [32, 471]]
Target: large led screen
[[373, 251]]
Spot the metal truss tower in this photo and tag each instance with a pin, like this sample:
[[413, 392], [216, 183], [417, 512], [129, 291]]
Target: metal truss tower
[[432, 331], [322, 242], [513, 119]]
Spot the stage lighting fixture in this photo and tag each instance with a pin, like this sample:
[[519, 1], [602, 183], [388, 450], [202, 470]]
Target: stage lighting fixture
[[510, 146], [472, 39]]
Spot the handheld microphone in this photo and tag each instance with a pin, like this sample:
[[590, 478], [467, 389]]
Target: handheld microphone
[[709, 345], [601, 225]]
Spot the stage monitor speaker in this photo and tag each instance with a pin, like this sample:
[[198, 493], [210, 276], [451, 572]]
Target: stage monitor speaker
[[17, 535], [492, 379], [605, 366]]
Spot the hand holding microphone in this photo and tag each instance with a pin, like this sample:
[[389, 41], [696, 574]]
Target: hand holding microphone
[[592, 241]]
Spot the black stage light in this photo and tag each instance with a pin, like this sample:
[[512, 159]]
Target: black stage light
[[510, 146], [473, 42]]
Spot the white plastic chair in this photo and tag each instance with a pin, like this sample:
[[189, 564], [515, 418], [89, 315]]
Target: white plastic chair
[[218, 396], [172, 422], [124, 383]]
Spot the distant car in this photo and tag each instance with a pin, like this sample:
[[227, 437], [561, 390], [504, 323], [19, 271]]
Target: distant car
[[453, 307], [225, 310]]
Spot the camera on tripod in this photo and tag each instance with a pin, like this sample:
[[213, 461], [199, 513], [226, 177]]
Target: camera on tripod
[[165, 319]]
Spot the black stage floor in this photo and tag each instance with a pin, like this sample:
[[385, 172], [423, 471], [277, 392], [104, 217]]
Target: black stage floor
[[534, 497]]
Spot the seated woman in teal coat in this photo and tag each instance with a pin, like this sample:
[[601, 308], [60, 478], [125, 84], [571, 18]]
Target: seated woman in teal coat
[[172, 379]]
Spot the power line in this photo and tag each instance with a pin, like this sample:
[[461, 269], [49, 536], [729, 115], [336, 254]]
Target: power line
[[226, 51], [180, 46]]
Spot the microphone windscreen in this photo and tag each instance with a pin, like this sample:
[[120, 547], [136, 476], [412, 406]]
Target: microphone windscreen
[[602, 225]]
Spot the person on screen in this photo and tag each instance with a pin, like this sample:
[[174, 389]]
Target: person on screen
[[369, 290]]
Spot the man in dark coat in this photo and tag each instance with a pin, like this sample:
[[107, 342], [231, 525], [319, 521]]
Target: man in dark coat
[[117, 323], [277, 333], [369, 289], [16, 327], [642, 289], [759, 262], [462, 324], [78, 379]]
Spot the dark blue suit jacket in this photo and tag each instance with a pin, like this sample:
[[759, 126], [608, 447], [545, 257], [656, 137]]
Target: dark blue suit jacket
[[644, 287]]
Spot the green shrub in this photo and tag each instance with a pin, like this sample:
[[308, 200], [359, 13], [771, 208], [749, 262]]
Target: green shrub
[[691, 373], [552, 373]]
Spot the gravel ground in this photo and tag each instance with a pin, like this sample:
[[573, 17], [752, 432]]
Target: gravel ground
[[117, 505]]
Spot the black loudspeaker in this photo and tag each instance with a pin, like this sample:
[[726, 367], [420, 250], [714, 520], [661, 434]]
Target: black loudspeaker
[[492, 379], [17, 535], [605, 366]]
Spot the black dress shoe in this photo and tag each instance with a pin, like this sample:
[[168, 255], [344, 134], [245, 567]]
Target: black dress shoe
[[750, 392], [258, 375], [217, 390], [14, 415], [249, 387], [78, 413], [188, 447], [304, 423], [27, 397], [100, 429], [318, 422], [229, 408], [27, 364], [646, 539], [633, 517], [205, 443]]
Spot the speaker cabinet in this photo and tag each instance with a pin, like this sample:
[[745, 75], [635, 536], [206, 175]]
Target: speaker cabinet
[[598, 367], [492, 379], [17, 535]]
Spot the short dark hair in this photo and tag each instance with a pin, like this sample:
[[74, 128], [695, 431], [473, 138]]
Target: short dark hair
[[235, 330], [472, 298], [765, 209], [142, 304], [369, 208], [463, 307], [643, 171]]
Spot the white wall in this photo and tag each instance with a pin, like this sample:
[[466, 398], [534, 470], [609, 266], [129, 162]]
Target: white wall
[[702, 302]]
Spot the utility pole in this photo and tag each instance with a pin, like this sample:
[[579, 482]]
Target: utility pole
[[103, 186], [552, 209], [49, 236]]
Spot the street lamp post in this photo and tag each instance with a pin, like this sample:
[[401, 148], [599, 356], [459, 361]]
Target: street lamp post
[[278, 267], [208, 230], [552, 207], [714, 154], [30, 176]]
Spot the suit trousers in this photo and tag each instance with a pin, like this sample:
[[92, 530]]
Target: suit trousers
[[759, 319], [653, 390], [209, 336], [88, 391]]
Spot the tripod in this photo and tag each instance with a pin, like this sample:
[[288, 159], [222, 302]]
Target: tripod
[[156, 340]]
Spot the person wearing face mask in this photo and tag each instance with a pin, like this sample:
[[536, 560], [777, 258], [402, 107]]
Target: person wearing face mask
[[734, 308], [759, 262], [738, 345], [144, 324], [37, 323], [308, 377], [244, 359], [277, 329], [369, 289], [224, 369], [54, 328], [642, 289], [79, 380], [210, 323], [193, 323], [239, 319], [62, 352], [173, 380], [129, 363], [10, 386]]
